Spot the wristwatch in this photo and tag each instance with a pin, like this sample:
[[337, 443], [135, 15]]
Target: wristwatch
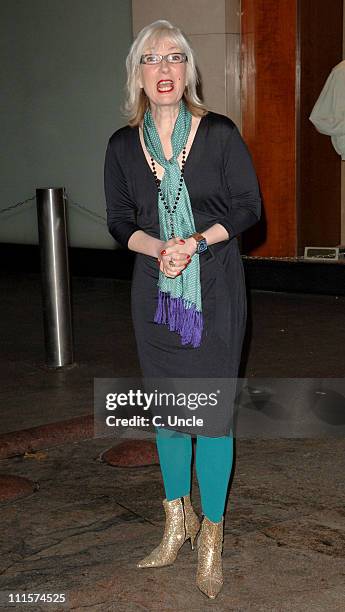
[[201, 242]]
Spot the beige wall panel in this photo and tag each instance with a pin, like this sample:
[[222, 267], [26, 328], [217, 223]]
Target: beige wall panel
[[192, 16], [233, 16], [210, 52]]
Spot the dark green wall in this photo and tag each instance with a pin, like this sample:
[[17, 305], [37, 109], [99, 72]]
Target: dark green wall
[[62, 79]]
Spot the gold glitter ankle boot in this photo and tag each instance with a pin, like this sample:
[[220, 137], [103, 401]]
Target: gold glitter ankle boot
[[181, 524], [209, 577]]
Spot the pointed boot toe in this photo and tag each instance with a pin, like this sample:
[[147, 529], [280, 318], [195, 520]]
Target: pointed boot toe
[[210, 587], [209, 578]]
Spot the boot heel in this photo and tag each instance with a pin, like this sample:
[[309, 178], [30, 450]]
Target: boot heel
[[192, 522], [194, 536]]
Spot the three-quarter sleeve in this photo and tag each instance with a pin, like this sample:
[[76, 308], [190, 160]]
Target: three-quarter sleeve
[[121, 210], [242, 183]]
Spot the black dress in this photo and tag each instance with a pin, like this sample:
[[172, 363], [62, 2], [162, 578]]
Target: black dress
[[223, 188]]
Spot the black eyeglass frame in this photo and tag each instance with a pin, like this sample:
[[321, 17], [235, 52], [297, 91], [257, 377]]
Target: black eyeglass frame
[[164, 57]]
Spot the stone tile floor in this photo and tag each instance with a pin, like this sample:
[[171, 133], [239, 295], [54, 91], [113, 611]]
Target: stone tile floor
[[86, 525], [84, 529]]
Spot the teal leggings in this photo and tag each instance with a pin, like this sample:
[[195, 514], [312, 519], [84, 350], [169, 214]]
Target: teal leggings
[[214, 458]]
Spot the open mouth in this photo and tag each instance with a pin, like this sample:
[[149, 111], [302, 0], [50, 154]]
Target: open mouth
[[165, 85]]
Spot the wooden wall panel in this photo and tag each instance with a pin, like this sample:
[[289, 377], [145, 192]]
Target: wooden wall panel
[[319, 168], [288, 49], [269, 120]]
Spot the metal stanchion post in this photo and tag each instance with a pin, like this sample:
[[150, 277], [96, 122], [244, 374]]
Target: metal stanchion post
[[57, 317]]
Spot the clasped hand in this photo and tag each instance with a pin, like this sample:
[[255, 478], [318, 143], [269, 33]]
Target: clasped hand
[[175, 255]]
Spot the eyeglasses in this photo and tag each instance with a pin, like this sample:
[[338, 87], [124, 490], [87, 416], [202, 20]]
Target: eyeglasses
[[156, 58]]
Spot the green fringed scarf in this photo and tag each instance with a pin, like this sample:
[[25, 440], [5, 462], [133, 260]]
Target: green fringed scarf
[[179, 299]]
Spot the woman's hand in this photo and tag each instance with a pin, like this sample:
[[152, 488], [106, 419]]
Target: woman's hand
[[175, 256]]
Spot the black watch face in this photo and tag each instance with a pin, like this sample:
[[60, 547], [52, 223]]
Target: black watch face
[[202, 246]]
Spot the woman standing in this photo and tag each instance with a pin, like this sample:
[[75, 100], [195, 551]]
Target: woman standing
[[180, 186]]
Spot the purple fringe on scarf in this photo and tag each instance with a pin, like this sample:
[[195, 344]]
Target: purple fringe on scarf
[[188, 322]]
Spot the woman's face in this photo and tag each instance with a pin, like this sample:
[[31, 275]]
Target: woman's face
[[152, 77]]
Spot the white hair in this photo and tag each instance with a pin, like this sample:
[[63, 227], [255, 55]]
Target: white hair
[[136, 101]]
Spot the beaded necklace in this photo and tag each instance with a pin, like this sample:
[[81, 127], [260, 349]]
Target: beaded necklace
[[171, 210]]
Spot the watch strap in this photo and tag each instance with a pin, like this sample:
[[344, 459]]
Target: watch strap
[[197, 236], [201, 242]]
